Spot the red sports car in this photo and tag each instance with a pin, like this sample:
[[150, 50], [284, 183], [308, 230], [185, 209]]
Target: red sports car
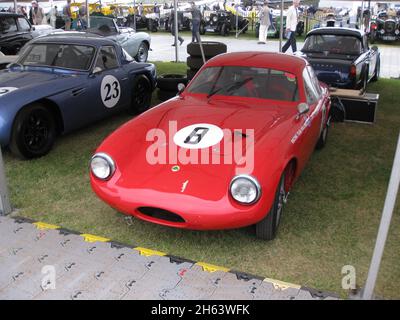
[[222, 154]]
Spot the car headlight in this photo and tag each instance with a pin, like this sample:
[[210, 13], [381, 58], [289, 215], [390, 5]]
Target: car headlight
[[102, 166], [382, 31], [215, 19], [245, 189], [397, 32], [207, 19]]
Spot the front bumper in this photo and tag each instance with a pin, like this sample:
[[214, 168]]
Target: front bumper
[[196, 214]]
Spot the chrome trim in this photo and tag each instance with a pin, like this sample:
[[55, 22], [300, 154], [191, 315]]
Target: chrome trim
[[108, 159], [253, 180]]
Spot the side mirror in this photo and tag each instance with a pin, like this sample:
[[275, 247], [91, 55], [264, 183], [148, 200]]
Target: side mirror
[[96, 70], [302, 108], [181, 87]]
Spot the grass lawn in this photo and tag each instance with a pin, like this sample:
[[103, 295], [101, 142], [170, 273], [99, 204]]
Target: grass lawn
[[331, 219]]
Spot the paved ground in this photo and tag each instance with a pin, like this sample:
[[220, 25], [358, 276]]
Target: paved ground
[[163, 51], [36, 256]]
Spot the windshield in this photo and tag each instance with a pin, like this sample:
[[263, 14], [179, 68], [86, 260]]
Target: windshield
[[103, 24], [248, 82], [66, 56], [332, 44]]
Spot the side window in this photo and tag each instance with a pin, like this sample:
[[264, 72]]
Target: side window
[[311, 95], [23, 24], [107, 59], [7, 24], [315, 81]]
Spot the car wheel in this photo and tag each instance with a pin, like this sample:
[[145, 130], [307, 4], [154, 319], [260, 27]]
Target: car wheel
[[33, 132], [143, 52], [267, 228], [141, 95], [372, 37], [202, 29], [377, 70], [322, 138]]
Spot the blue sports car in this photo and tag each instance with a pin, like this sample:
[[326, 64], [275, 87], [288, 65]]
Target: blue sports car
[[65, 81]]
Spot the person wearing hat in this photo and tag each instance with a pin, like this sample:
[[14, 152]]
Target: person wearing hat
[[265, 22], [37, 13]]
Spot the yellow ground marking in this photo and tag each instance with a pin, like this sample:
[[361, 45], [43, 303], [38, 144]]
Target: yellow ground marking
[[92, 238], [281, 285], [45, 226], [211, 267], [149, 252]]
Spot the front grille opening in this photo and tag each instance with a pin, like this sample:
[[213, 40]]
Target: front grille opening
[[161, 214]]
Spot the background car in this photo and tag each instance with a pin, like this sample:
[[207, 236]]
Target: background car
[[137, 44], [384, 28], [16, 30], [222, 22], [270, 103], [66, 81], [341, 57]]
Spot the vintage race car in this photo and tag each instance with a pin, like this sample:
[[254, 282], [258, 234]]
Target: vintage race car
[[341, 57], [65, 81], [137, 44], [222, 154], [384, 27]]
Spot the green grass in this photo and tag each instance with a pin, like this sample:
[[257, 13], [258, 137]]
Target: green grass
[[331, 219]]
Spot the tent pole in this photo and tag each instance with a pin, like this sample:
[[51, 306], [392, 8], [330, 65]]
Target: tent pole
[[281, 27], [384, 225], [176, 29]]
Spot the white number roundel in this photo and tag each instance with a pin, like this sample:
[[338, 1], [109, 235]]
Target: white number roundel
[[110, 91], [5, 90], [198, 136]]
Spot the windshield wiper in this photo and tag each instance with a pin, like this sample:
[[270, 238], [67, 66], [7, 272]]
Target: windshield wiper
[[234, 86]]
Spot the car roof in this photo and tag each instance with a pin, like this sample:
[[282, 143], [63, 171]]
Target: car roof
[[337, 31], [10, 14], [74, 37], [271, 60]]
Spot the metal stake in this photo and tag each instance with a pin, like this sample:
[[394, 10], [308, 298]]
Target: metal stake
[[5, 206]]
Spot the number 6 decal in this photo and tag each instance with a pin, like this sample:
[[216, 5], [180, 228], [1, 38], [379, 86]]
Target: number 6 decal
[[110, 91]]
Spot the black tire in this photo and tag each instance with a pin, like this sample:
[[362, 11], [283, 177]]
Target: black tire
[[190, 74], [202, 28], [33, 132], [372, 37], [322, 138], [224, 30], [141, 95], [169, 82], [143, 52], [164, 95], [211, 48], [194, 63], [377, 70], [267, 228]]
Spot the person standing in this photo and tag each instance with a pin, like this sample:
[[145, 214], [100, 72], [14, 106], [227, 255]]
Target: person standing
[[196, 20], [67, 15], [291, 25], [37, 14], [53, 16], [265, 22], [172, 26], [140, 9]]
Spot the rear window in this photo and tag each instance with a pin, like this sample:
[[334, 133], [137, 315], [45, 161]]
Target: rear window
[[248, 82], [332, 44], [7, 24]]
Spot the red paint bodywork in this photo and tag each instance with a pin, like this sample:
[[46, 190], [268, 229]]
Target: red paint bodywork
[[206, 203]]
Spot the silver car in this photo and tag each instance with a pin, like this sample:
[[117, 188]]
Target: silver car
[[137, 44]]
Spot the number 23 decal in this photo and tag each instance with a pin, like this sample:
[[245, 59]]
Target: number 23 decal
[[110, 91]]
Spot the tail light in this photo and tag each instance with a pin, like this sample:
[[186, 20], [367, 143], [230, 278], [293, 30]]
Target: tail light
[[374, 26], [353, 71]]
